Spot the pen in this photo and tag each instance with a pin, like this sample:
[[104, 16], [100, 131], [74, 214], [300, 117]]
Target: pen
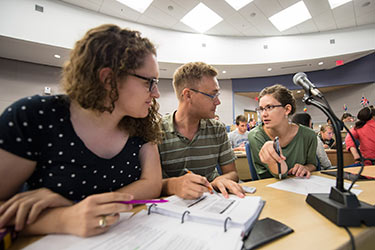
[[142, 201], [276, 146], [209, 187]]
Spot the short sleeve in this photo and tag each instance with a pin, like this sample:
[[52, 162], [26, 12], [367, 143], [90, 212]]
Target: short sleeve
[[18, 130]]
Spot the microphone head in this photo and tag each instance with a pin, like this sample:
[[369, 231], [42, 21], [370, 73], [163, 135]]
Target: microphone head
[[297, 77]]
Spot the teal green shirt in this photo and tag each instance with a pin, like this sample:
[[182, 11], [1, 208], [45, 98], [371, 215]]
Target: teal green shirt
[[302, 149]]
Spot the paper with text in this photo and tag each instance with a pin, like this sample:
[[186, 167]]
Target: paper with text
[[315, 184], [153, 231]]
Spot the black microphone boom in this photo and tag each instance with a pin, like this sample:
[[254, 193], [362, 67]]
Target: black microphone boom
[[300, 79], [340, 206]]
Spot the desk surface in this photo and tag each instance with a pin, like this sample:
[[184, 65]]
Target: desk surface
[[311, 229]]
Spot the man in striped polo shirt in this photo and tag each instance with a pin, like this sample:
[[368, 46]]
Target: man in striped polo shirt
[[194, 143]]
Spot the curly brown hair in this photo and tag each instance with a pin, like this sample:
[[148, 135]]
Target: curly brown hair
[[282, 94], [121, 50], [189, 75]]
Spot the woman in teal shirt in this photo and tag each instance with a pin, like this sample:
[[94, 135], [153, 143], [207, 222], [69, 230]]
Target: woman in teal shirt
[[297, 143]]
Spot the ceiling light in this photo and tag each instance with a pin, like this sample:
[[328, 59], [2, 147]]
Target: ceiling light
[[139, 5], [299, 91], [238, 4], [337, 3], [201, 18], [269, 69], [320, 63], [291, 16], [57, 56], [224, 71]]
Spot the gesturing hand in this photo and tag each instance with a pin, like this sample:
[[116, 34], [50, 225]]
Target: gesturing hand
[[25, 207]]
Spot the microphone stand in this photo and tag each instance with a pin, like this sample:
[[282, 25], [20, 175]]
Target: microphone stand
[[340, 206]]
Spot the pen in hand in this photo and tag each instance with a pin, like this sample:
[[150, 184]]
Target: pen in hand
[[276, 146], [210, 188]]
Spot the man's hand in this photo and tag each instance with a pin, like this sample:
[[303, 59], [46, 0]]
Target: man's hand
[[300, 171], [224, 185], [190, 186]]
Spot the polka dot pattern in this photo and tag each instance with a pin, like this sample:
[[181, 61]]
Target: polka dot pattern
[[39, 128]]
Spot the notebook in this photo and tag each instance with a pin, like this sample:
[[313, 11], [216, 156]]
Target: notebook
[[213, 209]]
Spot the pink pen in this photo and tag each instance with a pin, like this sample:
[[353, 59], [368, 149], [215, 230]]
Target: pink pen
[[142, 201]]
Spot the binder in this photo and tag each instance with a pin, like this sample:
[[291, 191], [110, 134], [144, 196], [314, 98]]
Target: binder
[[213, 209]]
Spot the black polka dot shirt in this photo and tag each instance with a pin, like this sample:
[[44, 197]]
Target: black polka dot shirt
[[38, 128]]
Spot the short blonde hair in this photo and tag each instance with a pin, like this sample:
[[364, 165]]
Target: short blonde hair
[[190, 74]]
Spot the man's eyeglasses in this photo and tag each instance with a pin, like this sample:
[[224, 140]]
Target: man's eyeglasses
[[268, 108], [215, 96], [151, 81]]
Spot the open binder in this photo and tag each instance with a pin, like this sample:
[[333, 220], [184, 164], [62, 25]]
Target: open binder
[[213, 209]]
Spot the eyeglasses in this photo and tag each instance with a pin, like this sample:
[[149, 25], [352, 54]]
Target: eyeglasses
[[213, 97], [268, 108], [151, 81]]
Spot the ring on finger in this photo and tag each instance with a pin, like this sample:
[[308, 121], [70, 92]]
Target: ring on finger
[[103, 221]]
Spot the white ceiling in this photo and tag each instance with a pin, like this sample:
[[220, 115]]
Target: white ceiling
[[250, 21]]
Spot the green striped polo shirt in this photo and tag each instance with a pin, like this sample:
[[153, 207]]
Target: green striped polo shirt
[[209, 147]]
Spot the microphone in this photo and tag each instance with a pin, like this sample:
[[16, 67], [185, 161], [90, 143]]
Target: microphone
[[300, 79]]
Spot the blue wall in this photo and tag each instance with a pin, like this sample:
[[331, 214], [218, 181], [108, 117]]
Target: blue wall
[[356, 72]]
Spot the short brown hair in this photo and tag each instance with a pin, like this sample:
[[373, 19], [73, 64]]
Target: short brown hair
[[281, 94], [240, 118], [121, 50], [189, 75], [325, 127]]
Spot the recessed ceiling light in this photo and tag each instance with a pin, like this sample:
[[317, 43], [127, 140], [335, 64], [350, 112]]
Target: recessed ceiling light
[[238, 4], [365, 4], [201, 18], [320, 63], [224, 71], [291, 16], [139, 5], [269, 69], [170, 8], [337, 3], [57, 56]]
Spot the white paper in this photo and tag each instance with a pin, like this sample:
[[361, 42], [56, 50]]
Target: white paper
[[315, 184], [153, 231]]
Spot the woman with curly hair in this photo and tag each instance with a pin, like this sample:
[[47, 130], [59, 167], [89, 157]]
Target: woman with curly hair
[[364, 132], [83, 152], [297, 143]]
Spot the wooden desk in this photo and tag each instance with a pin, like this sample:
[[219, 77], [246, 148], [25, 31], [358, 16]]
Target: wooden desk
[[348, 157], [242, 166], [311, 229]]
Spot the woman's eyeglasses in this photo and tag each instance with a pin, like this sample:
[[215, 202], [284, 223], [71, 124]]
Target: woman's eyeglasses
[[151, 81], [268, 108]]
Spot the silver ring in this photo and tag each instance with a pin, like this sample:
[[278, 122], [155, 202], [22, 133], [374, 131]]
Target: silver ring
[[103, 222]]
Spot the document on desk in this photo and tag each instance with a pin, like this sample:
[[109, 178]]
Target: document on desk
[[153, 231], [315, 184]]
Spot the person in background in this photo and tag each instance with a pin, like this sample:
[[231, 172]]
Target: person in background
[[364, 132], [238, 137], [297, 143], [252, 124], [217, 118], [326, 136], [347, 117], [83, 152], [194, 141], [305, 119]]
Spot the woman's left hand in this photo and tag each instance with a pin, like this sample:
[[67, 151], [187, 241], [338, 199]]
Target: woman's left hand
[[300, 171], [25, 207]]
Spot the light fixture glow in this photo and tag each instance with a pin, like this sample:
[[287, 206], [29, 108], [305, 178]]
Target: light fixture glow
[[139, 5], [320, 63], [238, 4], [299, 91], [291, 16], [224, 71], [269, 69], [57, 56], [201, 18], [337, 3]]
